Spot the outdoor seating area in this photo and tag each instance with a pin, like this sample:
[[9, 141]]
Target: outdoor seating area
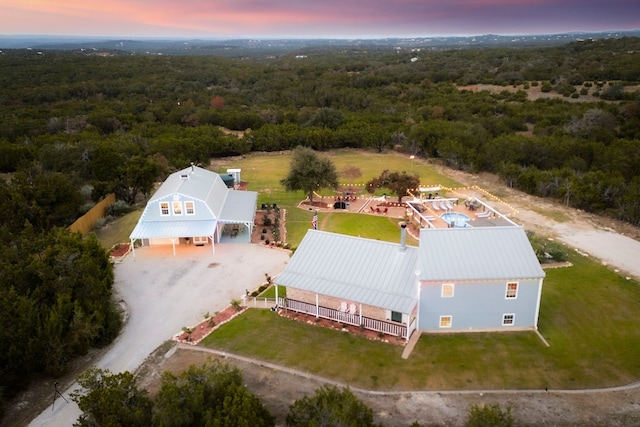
[[431, 207], [346, 317]]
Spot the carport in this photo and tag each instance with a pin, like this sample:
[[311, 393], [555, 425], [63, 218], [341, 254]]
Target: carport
[[174, 231]]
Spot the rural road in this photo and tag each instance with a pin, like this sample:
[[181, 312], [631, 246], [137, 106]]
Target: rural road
[[163, 293]]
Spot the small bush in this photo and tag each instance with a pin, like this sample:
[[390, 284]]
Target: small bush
[[267, 221], [262, 237], [266, 242], [489, 415], [119, 208]]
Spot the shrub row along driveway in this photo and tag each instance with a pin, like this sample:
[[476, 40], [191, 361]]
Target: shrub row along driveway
[[163, 293]]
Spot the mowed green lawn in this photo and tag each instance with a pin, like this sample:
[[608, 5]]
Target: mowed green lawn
[[264, 172], [589, 314]]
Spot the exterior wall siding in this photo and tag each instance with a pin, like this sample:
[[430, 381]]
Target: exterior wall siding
[[478, 306], [152, 211]]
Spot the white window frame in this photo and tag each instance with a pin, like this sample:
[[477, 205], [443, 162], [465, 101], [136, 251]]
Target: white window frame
[[508, 316], [176, 204], [447, 290], [511, 293], [189, 205], [443, 323], [164, 209]]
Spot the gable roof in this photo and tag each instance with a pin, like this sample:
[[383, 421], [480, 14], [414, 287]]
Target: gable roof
[[221, 205], [371, 272], [474, 254], [198, 183]]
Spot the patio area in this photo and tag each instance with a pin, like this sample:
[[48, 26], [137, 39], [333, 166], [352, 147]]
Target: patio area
[[457, 208]]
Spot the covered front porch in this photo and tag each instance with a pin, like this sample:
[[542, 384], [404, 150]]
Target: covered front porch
[[395, 329]]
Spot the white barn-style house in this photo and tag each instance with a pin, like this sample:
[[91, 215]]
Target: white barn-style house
[[194, 206], [456, 280]]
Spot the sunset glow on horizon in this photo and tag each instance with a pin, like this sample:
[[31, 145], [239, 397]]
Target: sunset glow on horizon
[[300, 18]]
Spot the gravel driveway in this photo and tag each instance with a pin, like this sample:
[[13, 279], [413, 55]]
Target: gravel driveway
[[163, 293]]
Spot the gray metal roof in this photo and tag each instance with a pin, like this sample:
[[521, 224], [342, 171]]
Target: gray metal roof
[[366, 271], [194, 183], [240, 206], [155, 229], [199, 183], [475, 254]]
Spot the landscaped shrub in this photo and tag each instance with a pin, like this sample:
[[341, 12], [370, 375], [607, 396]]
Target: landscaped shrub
[[119, 208]]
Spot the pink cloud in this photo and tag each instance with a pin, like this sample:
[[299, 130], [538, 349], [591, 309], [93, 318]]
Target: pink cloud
[[306, 18]]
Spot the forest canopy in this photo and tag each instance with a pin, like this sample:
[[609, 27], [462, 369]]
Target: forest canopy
[[116, 121]]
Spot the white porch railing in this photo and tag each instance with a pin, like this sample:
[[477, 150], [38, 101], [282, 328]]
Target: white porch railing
[[256, 302], [389, 328]]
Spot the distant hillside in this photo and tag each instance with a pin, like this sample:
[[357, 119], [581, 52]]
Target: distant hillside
[[262, 47]]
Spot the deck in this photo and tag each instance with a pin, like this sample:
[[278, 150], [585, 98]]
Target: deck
[[355, 319]]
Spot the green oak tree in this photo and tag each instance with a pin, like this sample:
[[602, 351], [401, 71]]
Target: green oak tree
[[397, 182], [310, 172]]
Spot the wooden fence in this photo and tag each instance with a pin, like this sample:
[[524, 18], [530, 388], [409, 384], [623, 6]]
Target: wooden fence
[[87, 222]]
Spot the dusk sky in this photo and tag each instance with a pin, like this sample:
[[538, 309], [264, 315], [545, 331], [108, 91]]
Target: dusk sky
[[313, 18]]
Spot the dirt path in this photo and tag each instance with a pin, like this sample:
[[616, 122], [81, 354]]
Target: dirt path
[[615, 243]]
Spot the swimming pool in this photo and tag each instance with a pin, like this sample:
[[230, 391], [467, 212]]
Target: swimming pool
[[456, 219]]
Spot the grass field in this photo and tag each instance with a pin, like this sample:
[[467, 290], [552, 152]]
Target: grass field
[[588, 313], [264, 172]]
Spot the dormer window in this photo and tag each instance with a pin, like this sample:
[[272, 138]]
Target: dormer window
[[189, 208], [164, 208], [177, 208]]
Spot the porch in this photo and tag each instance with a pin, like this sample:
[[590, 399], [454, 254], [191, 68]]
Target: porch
[[354, 319]]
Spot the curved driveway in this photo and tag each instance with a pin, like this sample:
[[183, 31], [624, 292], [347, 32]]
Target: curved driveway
[[163, 293]]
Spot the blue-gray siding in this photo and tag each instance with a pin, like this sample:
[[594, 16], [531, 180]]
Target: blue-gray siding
[[477, 306]]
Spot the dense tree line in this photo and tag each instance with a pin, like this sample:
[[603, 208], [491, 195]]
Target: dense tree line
[[119, 121], [55, 302], [214, 394], [210, 395], [55, 287]]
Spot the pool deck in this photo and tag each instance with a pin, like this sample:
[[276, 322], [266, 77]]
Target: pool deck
[[465, 201]]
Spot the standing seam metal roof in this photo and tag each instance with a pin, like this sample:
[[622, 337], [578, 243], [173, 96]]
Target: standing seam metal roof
[[371, 272], [477, 254]]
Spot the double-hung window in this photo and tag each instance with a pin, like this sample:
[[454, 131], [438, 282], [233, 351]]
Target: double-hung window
[[447, 290], [177, 208], [512, 290], [508, 319], [189, 208], [164, 208], [446, 321]]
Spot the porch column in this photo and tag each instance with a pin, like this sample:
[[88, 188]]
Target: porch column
[[133, 247], [360, 320], [317, 306], [173, 244], [276, 285]]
